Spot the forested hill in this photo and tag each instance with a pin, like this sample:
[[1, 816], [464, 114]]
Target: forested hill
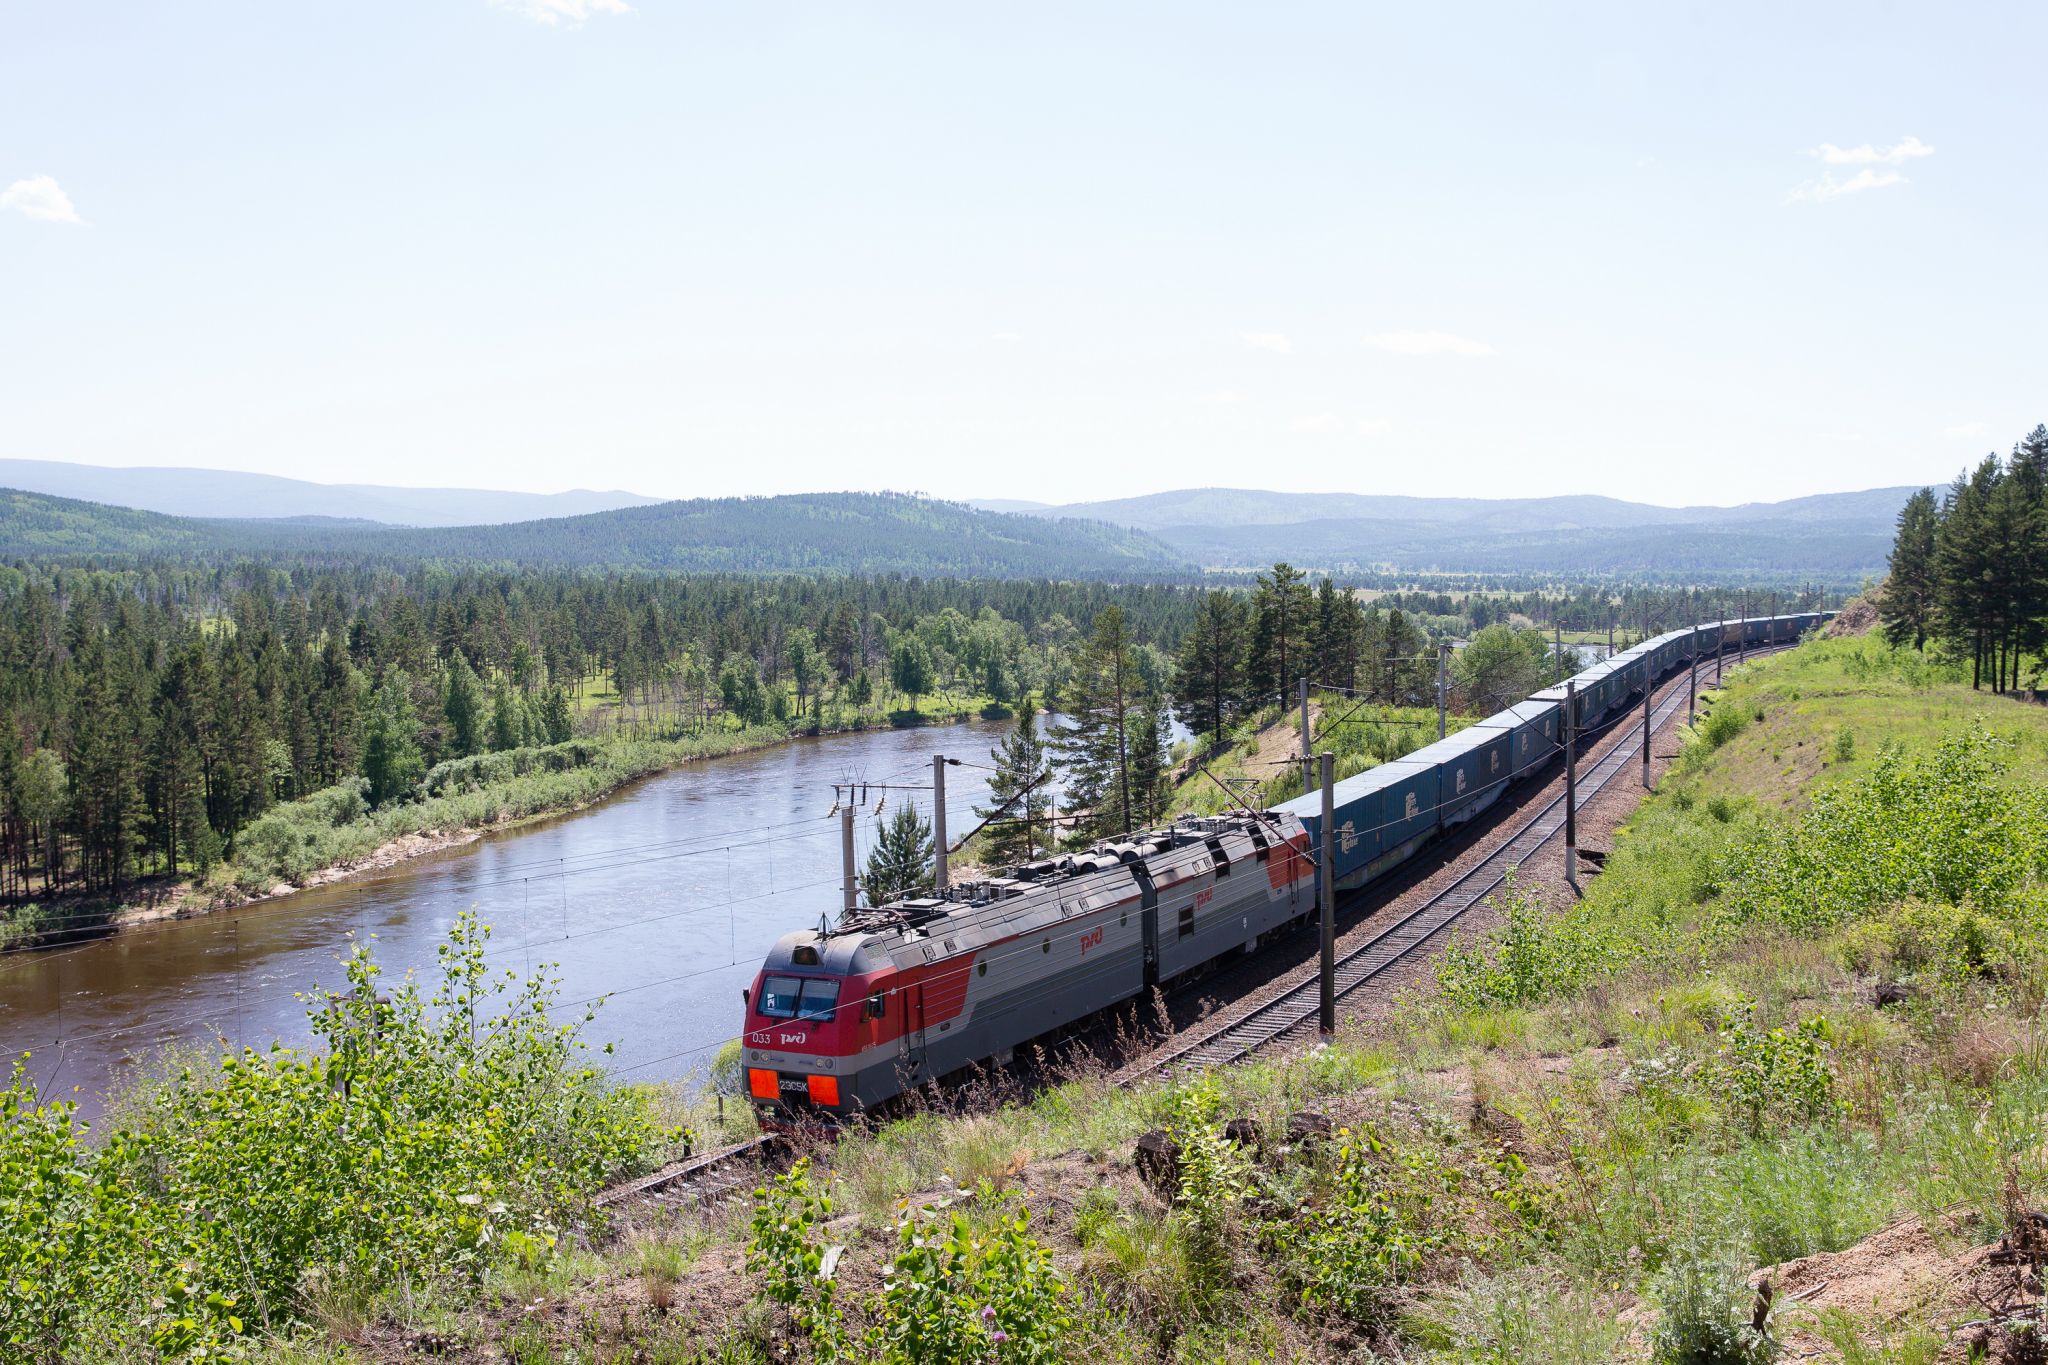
[[872, 533], [1838, 538]]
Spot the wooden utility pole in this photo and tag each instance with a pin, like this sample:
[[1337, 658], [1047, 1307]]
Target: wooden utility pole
[[1326, 874], [939, 823], [1557, 646], [1571, 784]]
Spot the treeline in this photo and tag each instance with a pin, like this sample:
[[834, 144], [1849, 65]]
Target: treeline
[[1969, 570], [152, 715]]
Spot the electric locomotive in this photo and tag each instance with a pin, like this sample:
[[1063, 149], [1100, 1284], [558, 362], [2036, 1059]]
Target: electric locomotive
[[844, 1018]]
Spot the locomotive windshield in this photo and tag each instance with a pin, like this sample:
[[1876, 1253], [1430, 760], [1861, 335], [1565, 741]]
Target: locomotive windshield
[[792, 997]]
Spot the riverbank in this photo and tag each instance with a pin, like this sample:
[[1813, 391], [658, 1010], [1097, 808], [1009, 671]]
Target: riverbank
[[334, 836]]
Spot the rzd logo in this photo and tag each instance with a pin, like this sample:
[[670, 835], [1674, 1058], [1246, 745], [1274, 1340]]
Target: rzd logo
[[1091, 939]]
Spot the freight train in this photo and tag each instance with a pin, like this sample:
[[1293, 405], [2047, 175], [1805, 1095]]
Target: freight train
[[844, 1019]]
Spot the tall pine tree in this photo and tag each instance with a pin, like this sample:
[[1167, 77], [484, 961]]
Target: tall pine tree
[[1209, 671], [1102, 704], [1908, 603], [1019, 798]]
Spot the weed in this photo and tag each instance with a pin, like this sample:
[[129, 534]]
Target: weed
[[1707, 1310]]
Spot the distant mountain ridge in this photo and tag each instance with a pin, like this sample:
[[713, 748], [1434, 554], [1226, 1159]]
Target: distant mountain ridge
[[189, 492], [872, 533], [1839, 536]]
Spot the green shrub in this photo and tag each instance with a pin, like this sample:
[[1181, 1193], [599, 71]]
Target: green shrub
[[1763, 1074], [1952, 943], [962, 1290], [431, 1138], [1214, 1179], [784, 1248], [1948, 828], [1346, 1254], [1706, 1307]]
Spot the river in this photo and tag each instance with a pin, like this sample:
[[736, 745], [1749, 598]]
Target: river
[[664, 896]]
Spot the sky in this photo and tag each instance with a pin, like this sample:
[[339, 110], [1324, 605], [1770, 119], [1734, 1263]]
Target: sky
[[1061, 251]]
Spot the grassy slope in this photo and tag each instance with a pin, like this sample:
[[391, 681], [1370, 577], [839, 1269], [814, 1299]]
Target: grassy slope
[[1547, 1164]]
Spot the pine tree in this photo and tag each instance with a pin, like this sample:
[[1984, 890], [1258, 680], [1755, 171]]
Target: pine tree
[[507, 731], [392, 763], [1096, 744], [554, 715], [1208, 673], [1284, 610], [1333, 639], [1962, 557], [1908, 603], [911, 668], [901, 861], [1152, 761], [1019, 831], [462, 702]]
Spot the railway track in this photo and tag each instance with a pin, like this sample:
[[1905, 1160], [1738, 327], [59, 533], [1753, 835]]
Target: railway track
[[1295, 1010], [704, 1178]]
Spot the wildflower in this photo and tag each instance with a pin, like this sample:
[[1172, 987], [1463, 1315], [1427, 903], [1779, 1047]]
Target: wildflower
[[987, 1313], [999, 1336]]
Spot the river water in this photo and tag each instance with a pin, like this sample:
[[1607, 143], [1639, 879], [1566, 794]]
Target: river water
[[664, 896]]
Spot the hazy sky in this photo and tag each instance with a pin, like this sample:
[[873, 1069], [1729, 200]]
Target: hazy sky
[[1700, 253]]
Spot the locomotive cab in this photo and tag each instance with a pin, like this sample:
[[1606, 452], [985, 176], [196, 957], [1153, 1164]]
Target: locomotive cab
[[810, 1014]]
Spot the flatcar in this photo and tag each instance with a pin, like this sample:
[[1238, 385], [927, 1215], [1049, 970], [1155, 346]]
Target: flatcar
[[847, 1017]]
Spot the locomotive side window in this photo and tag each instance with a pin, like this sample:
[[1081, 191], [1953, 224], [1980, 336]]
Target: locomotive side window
[[778, 997], [819, 999]]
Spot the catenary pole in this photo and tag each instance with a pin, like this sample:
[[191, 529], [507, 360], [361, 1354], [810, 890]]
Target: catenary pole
[[847, 884], [1443, 683], [1308, 762], [1571, 784], [1649, 694], [939, 823], [1692, 677], [1327, 900]]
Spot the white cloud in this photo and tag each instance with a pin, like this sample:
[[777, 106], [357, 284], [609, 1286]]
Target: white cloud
[[1373, 426], [1866, 156], [1964, 429], [40, 197], [1224, 396], [1428, 343], [570, 12], [1269, 341], [1898, 154], [1827, 187], [1006, 336]]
